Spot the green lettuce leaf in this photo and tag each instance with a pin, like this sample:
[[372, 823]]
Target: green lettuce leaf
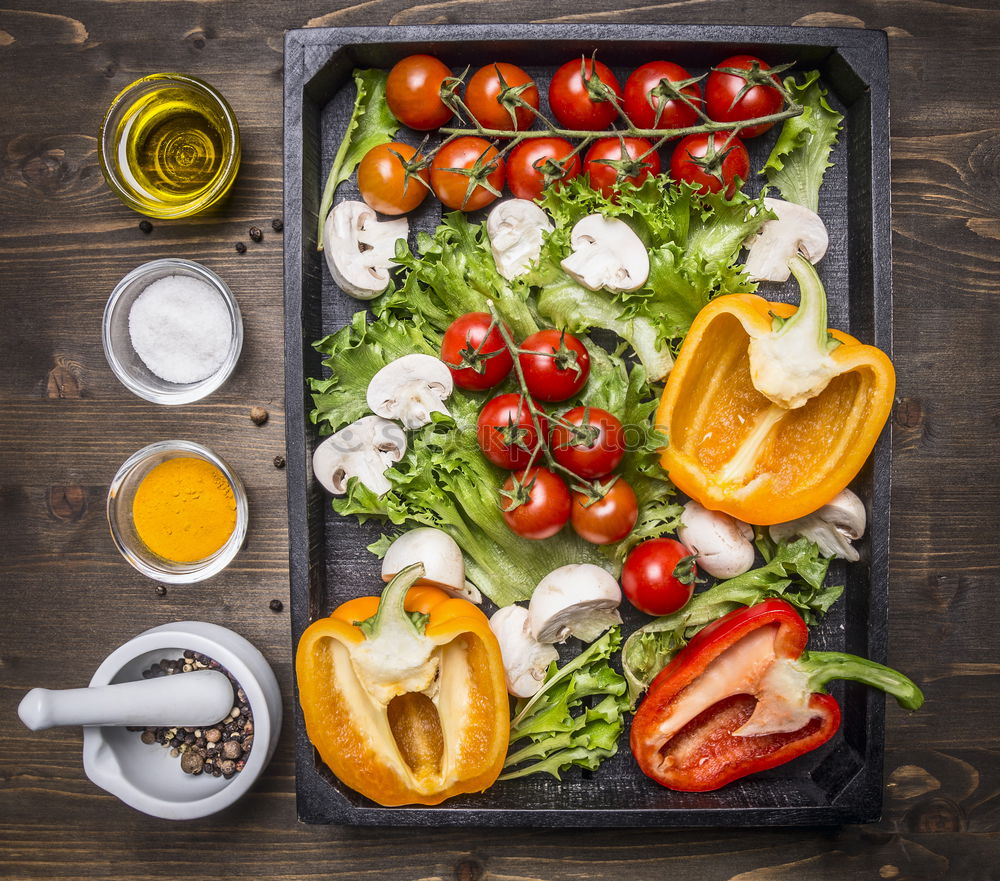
[[452, 273], [693, 242], [793, 571], [801, 154], [559, 737], [371, 124], [355, 353]]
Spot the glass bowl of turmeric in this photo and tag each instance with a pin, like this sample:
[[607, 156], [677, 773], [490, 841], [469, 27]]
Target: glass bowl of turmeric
[[177, 512]]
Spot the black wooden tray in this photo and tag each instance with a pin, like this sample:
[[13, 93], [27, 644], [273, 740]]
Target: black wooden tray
[[840, 783]]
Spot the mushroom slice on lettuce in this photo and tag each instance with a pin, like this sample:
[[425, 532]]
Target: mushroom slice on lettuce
[[410, 389], [365, 449], [360, 249], [579, 600], [607, 255]]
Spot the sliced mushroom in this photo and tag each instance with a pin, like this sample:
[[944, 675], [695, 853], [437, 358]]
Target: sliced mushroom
[[724, 545], [410, 389], [833, 527], [525, 659], [364, 449], [796, 231], [578, 600], [444, 566], [359, 249], [516, 229], [607, 254]]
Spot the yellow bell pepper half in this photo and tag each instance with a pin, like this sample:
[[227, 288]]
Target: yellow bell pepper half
[[404, 696], [768, 413]]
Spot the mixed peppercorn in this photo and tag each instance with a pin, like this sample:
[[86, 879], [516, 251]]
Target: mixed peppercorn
[[222, 749]]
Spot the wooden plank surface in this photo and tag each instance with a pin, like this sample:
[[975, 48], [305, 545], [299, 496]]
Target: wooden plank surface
[[66, 425]]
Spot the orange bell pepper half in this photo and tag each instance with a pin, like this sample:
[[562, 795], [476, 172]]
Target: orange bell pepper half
[[769, 414], [404, 696]]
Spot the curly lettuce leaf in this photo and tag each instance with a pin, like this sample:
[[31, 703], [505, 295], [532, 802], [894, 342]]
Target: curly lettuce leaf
[[801, 154], [371, 124], [453, 272], [693, 243], [794, 571], [559, 737], [355, 353]]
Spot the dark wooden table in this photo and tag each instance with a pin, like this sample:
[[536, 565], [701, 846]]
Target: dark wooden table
[[66, 424]]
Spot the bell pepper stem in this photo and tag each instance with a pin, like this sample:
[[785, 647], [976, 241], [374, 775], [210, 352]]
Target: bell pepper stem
[[822, 667], [811, 313], [391, 612]]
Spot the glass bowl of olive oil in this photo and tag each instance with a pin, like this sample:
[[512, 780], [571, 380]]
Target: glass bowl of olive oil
[[169, 146]]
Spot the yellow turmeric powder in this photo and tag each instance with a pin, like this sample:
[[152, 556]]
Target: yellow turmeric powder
[[184, 510]]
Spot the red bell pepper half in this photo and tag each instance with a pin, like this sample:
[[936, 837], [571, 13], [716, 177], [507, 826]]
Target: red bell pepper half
[[744, 695]]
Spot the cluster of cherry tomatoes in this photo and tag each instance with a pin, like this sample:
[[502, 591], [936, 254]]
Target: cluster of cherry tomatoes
[[468, 172], [586, 443]]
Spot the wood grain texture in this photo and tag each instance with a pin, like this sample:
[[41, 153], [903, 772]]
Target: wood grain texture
[[67, 425]]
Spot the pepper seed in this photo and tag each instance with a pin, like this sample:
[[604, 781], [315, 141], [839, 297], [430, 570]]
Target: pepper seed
[[256, 234], [241, 248], [258, 415], [277, 224], [276, 605]]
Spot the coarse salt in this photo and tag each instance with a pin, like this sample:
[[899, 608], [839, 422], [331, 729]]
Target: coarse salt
[[180, 328]]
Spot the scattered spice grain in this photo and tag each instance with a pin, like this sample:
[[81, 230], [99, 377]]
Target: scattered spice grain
[[276, 605], [258, 415], [145, 226], [241, 248], [255, 233], [279, 462], [277, 224]]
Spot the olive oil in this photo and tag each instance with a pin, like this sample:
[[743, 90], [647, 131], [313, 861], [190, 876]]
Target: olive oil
[[174, 146]]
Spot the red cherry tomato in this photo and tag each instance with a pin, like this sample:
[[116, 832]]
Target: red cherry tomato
[[413, 92], [484, 91], [383, 183], [604, 176], [723, 89], [473, 339], [506, 433], [451, 186], [596, 459], [555, 365], [648, 109], [528, 166], [547, 507], [731, 162], [572, 95], [659, 576], [609, 519]]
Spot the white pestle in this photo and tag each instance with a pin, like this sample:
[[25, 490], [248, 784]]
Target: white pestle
[[201, 697]]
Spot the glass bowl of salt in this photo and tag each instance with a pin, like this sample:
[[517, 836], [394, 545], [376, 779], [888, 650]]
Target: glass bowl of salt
[[172, 331]]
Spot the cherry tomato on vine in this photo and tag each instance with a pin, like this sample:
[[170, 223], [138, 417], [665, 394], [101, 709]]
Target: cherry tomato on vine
[[648, 105], [485, 93], [576, 95], [532, 161], [607, 520], [711, 162], [555, 365], [598, 457], [546, 504], [506, 432], [383, 182], [458, 165], [659, 576], [475, 341], [605, 176], [413, 92], [725, 103]]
